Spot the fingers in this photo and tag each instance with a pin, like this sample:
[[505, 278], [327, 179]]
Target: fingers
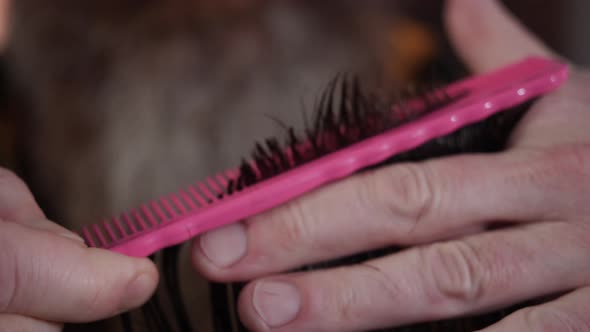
[[438, 281], [14, 323], [487, 36], [47, 275], [51, 278], [568, 313], [403, 204]]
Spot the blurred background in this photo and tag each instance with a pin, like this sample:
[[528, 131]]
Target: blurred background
[[90, 82], [186, 72], [108, 103]]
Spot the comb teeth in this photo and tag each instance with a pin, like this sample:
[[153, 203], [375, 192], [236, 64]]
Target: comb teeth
[[168, 208], [119, 227], [158, 212], [109, 230], [207, 192], [99, 235], [137, 216], [131, 227], [177, 204], [221, 180], [213, 185], [149, 215], [232, 178], [197, 196], [186, 198], [95, 235], [231, 174], [87, 235]]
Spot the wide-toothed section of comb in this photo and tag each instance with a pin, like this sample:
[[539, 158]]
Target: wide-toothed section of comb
[[345, 115], [158, 213]]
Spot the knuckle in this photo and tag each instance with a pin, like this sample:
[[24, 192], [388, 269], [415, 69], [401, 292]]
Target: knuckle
[[347, 305], [404, 191], [353, 302], [560, 174], [382, 281], [295, 226], [454, 272], [549, 319], [575, 157], [572, 160]]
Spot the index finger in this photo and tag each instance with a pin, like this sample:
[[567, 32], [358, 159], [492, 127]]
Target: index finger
[[404, 204]]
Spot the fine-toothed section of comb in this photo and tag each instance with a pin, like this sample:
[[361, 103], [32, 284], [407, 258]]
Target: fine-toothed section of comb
[[345, 115], [88, 237], [202, 201], [208, 193], [124, 225], [109, 230], [131, 226], [186, 198], [178, 204], [127, 224], [101, 238], [119, 227], [149, 215], [139, 219], [220, 178], [172, 213], [100, 235], [159, 212]]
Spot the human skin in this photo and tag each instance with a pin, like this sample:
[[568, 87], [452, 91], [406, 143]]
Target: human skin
[[540, 184], [48, 276]]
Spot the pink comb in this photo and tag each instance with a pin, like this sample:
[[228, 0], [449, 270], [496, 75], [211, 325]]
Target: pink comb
[[207, 205]]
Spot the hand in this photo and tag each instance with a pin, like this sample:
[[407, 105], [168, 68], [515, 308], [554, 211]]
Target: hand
[[48, 276], [441, 207]]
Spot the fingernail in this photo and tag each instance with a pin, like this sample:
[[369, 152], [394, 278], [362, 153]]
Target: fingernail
[[138, 290], [277, 303], [225, 246]]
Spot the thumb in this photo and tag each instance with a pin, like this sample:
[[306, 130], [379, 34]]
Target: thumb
[[487, 36], [50, 277], [46, 272]]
